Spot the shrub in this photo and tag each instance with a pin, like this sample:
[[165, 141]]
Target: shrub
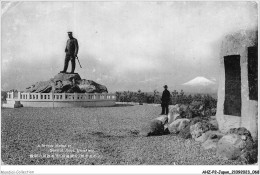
[[208, 102]]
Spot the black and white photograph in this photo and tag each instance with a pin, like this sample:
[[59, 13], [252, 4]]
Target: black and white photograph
[[157, 87]]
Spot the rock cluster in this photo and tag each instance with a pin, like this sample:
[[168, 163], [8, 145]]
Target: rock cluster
[[188, 122], [154, 127], [70, 83], [178, 125], [238, 143]]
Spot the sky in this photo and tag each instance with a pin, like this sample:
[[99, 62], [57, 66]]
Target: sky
[[122, 45]]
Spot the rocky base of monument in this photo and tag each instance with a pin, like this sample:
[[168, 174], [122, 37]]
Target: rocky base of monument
[[237, 143], [64, 90], [68, 83]]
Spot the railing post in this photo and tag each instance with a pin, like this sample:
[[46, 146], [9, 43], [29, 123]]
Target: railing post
[[63, 96], [75, 96], [19, 95]]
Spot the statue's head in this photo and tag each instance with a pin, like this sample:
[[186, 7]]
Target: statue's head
[[70, 35]]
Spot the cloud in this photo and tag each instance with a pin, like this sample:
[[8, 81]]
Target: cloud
[[150, 79], [126, 41]]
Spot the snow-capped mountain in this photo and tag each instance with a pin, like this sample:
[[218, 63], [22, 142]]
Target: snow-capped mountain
[[200, 85], [199, 81]]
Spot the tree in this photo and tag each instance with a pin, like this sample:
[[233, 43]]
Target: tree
[[181, 97], [139, 96], [156, 97], [174, 97]]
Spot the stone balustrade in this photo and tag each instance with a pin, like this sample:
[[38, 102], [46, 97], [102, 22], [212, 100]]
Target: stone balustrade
[[24, 96]]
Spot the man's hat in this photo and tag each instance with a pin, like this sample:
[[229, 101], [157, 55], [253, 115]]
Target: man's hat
[[69, 32], [165, 86]]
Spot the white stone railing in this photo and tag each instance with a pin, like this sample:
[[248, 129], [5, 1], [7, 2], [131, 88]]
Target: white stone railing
[[26, 96]]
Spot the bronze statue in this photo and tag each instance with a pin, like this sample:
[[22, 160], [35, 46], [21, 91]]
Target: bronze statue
[[71, 50]]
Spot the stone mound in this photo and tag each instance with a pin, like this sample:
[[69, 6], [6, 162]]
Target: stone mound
[[69, 83]]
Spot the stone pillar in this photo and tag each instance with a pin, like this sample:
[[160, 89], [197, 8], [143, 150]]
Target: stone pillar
[[63, 96], [75, 96], [237, 44], [19, 96]]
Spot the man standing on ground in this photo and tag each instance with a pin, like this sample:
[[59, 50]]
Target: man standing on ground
[[71, 50], [165, 101]]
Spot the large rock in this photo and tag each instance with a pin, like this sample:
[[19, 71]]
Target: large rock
[[240, 131], [185, 132], [163, 119], [69, 83], [172, 118], [174, 114], [42, 86], [67, 77], [154, 127], [213, 121], [202, 138], [238, 143], [210, 144], [195, 109], [212, 140], [178, 125], [90, 86], [209, 135], [185, 111], [229, 147], [199, 128]]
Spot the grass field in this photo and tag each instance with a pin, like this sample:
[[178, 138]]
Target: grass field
[[106, 135]]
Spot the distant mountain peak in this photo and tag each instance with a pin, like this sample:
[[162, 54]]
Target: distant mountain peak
[[199, 81]]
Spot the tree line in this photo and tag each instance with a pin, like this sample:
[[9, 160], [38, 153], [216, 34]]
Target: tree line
[[177, 97]]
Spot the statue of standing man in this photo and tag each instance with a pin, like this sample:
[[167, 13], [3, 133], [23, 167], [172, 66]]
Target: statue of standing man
[[71, 50]]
